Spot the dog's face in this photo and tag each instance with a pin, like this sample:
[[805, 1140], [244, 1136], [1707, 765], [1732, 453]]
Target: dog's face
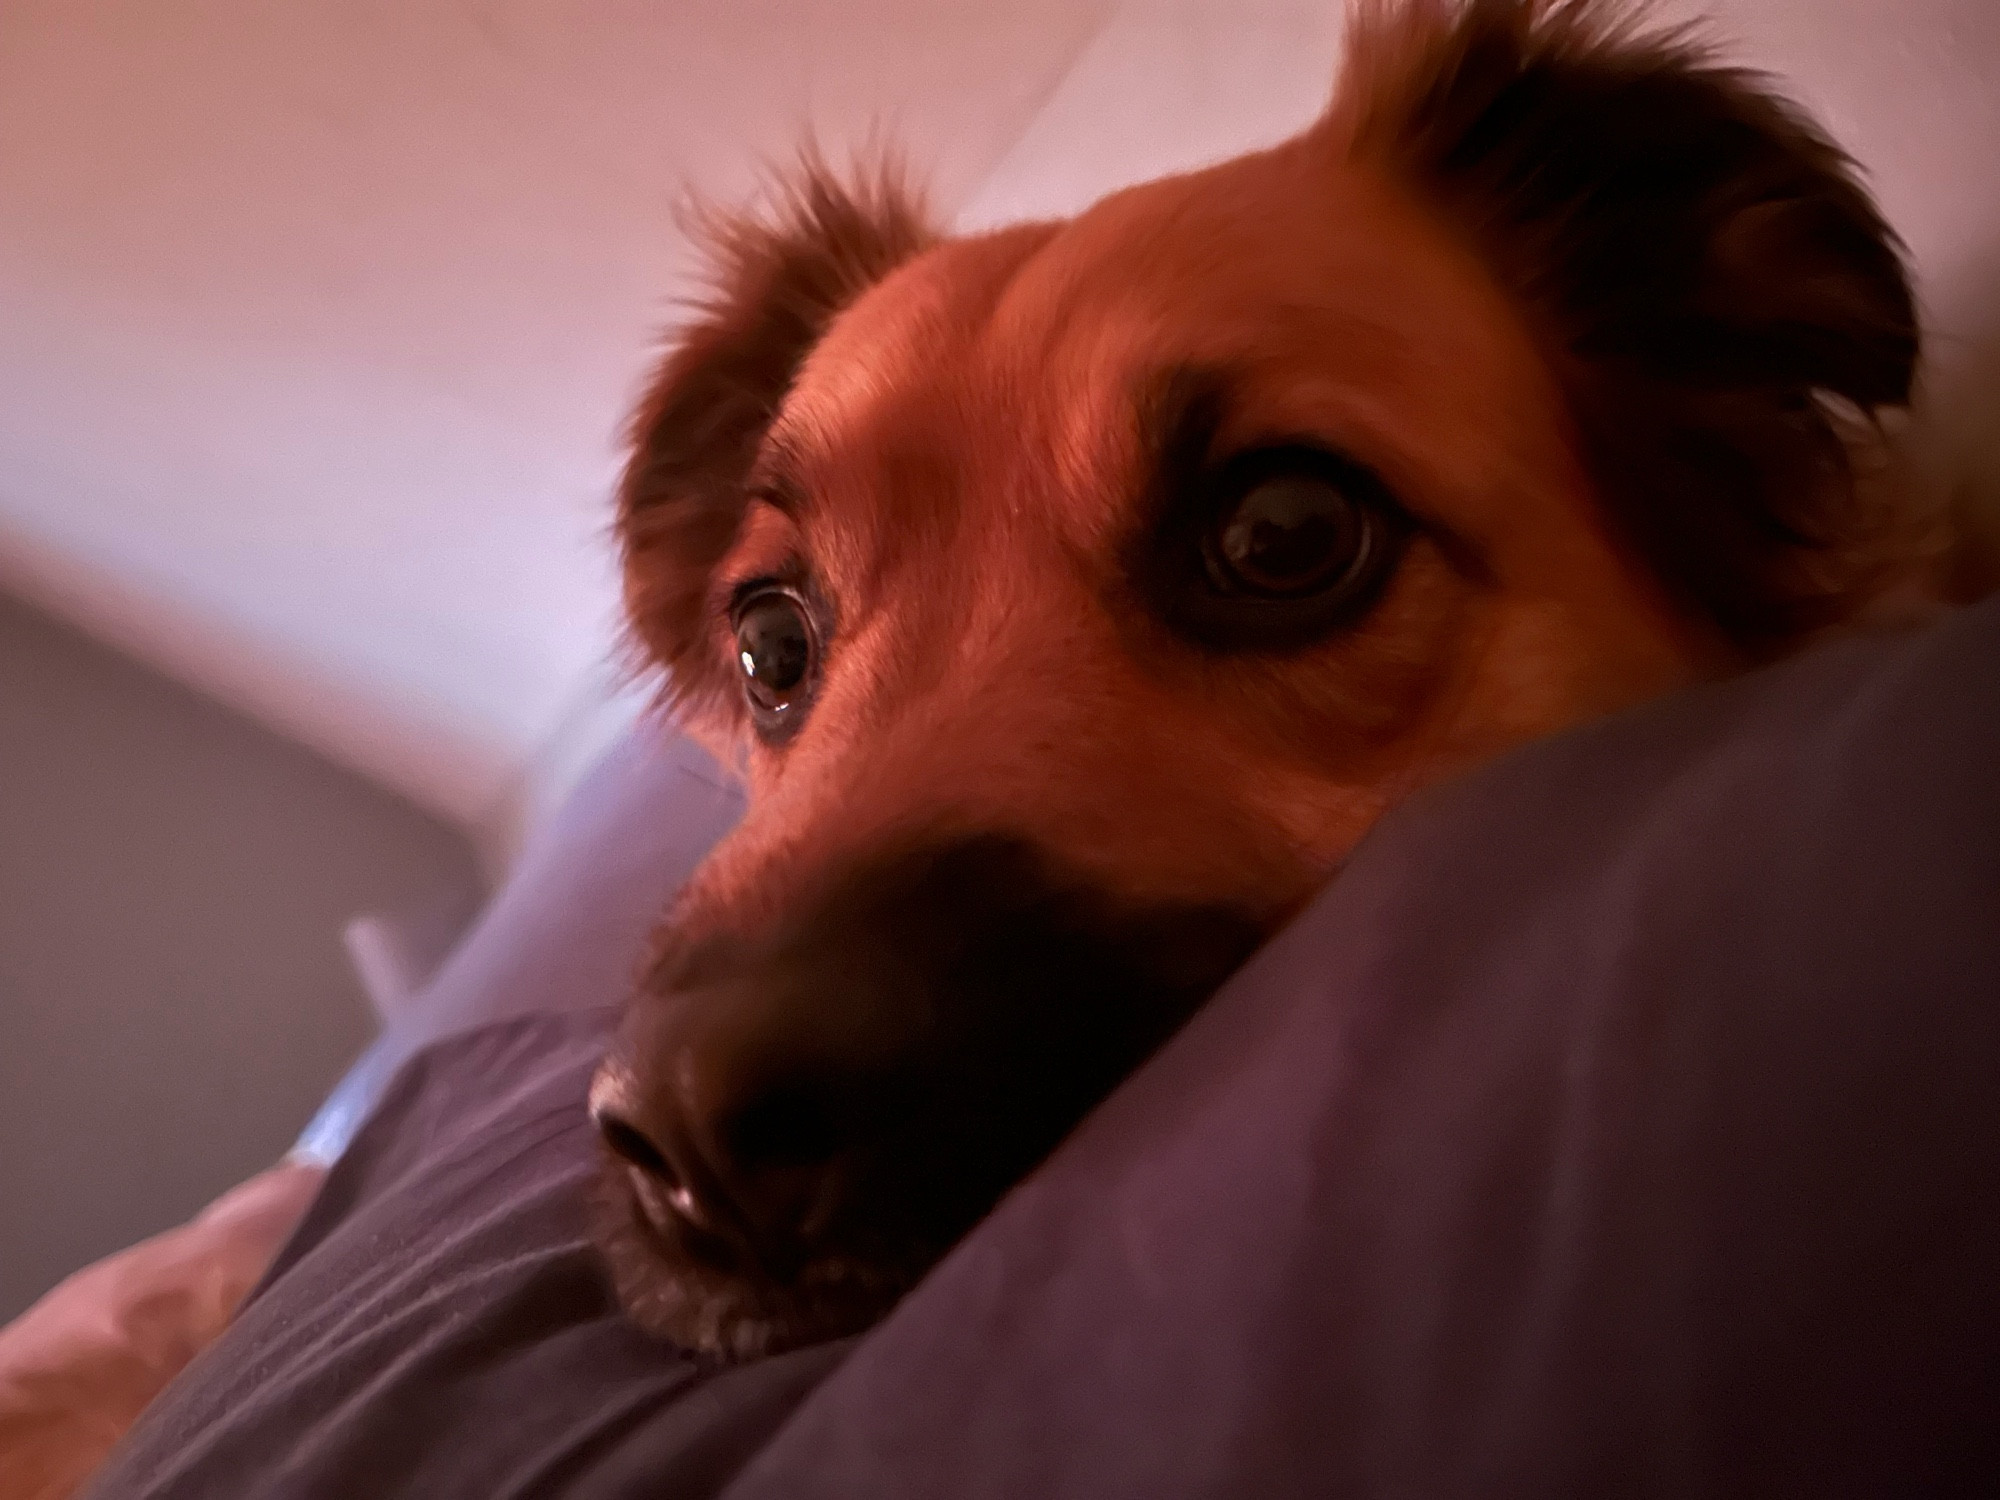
[[1074, 597]]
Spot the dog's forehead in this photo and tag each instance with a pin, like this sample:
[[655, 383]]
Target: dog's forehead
[[890, 349], [1012, 374]]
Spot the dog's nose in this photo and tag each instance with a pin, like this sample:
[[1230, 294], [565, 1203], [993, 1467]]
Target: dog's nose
[[744, 1160], [880, 1067], [660, 1186]]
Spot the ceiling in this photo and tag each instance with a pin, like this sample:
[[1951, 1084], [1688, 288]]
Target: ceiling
[[318, 317]]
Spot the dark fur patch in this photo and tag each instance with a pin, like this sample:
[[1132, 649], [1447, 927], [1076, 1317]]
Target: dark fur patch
[[776, 282], [1718, 293]]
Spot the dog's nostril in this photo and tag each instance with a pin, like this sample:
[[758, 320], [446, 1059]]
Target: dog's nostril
[[663, 1195], [634, 1145]]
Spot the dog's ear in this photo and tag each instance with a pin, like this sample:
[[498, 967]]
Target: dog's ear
[[1724, 305], [776, 280]]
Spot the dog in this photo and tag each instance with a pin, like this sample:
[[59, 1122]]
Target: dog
[[1072, 598]]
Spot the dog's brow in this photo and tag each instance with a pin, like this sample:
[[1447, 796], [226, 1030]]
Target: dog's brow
[[775, 481], [1179, 409], [774, 476]]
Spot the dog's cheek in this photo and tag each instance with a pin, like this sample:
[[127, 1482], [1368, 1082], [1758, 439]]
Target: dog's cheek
[[1346, 709]]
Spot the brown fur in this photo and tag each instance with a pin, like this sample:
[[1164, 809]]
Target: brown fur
[[1613, 324], [1717, 293], [774, 286]]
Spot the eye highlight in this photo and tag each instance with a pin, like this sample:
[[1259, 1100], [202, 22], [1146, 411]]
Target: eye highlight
[[777, 653]]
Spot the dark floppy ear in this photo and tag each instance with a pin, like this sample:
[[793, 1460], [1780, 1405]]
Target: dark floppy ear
[[776, 280], [1725, 306]]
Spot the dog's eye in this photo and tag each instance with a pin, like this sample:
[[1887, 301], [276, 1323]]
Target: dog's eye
[[774, 647], [1274, 550], [1298, 528]]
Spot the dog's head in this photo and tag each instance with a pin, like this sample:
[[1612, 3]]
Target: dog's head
[[1073, 597]]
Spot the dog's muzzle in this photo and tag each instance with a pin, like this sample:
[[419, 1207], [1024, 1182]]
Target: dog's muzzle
[[800, 1122]]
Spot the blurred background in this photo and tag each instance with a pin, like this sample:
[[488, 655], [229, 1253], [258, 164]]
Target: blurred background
[[318, 319]]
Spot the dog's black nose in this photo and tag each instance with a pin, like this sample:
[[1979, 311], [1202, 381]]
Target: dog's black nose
[[661, 1189], [879, 1069], [746, 1163]]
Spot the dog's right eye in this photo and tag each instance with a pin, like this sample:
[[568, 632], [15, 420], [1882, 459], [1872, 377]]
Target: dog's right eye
[[775, 650], [1277, 549], [1293, 534]]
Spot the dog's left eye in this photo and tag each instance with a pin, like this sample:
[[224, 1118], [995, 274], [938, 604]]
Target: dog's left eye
[[774, 649], [1296, 525], [1274, 550]]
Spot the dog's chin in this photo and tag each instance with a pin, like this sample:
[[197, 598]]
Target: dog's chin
[[687, 1293]]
